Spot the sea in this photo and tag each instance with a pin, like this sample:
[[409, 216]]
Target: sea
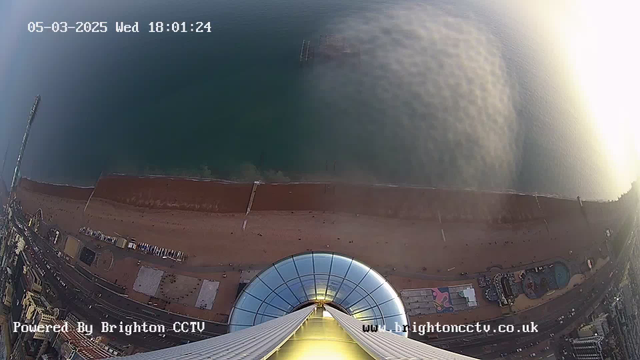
[[456, 94]]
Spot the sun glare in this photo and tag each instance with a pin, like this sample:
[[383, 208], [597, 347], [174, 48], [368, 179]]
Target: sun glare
[[602, 46]]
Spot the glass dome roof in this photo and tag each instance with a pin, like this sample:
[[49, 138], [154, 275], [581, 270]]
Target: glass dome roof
[[334, 279]]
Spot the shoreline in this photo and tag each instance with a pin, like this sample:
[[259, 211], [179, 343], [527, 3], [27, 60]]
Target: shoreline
[[380, 200], [326, 182]]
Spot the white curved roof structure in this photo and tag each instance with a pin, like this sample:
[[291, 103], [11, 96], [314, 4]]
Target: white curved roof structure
[[318, 277]]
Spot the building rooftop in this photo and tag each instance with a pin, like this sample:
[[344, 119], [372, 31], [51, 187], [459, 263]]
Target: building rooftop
[[38, 302], [84, 346]]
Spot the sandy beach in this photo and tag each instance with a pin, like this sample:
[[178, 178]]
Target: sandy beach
[[410, 250]]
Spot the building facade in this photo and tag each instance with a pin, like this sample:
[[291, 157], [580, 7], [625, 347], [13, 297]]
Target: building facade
[[587, 348]]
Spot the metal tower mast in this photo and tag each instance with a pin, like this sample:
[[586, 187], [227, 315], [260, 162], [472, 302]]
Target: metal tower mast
[[16, 173], [4, 160]]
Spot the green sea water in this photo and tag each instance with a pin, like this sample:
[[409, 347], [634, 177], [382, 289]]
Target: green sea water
[[446, 94]]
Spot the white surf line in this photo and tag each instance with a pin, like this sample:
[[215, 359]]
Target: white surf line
[[443, 237]]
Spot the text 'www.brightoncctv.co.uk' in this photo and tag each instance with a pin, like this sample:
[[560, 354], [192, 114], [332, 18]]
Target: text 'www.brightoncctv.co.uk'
[[435, 328]]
